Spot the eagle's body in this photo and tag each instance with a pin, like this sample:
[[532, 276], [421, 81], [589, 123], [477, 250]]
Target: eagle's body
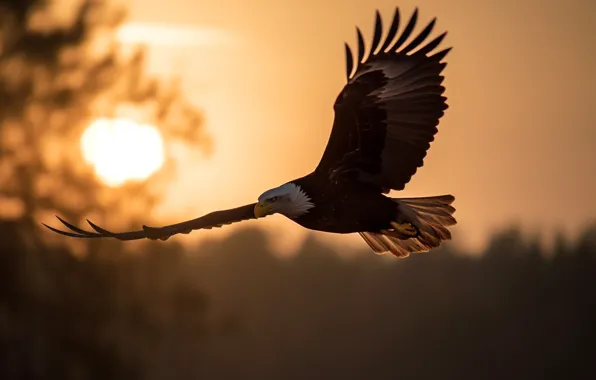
[[386, 116], [344, 207]]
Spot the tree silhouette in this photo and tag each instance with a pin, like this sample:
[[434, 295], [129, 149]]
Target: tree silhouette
[[57, 76]]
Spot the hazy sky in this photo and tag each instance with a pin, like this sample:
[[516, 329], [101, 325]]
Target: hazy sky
[[517, 144]]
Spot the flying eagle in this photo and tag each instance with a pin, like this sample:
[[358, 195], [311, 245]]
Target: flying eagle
[[385, 119]]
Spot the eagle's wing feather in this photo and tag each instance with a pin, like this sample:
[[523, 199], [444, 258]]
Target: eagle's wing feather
[[211, 220], [387, 114]]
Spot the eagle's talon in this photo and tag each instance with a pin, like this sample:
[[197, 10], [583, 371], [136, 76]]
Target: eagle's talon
[[405, 229]]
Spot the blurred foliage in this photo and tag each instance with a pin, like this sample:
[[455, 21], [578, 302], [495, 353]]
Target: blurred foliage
[[61, 67], [236, 310], [104, 317]]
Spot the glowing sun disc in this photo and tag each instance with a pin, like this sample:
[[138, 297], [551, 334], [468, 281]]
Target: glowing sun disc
[[122, 150]]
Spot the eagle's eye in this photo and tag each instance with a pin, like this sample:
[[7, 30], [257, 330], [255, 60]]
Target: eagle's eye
[[272, 199]]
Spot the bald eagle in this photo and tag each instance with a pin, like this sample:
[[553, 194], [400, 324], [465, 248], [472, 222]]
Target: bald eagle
[[386, 116]]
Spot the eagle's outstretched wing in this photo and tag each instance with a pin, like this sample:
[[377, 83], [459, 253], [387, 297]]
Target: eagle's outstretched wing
[[214, 219], [387, 114]]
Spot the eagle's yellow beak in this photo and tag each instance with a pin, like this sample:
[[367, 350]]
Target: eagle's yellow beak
[[262, 209]]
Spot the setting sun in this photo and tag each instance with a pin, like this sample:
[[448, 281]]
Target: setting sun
[[121, 150]]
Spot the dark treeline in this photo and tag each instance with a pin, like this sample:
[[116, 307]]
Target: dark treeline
[[233, 309]]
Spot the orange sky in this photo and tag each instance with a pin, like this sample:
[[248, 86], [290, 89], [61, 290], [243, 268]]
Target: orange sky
[[516, 145]]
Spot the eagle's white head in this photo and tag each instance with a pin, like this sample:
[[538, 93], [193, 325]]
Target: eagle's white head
[[288, 199]]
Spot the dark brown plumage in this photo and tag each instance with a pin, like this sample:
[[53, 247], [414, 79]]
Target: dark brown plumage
[[387, 114], [211, 220]]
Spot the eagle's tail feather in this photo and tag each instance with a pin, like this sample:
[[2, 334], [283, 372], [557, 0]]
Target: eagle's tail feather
[[430, 215]]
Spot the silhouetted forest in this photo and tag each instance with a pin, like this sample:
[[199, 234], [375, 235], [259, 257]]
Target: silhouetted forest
[[233, 309]]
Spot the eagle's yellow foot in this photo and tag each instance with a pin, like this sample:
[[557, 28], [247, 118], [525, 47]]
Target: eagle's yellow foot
[[405, 229]]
